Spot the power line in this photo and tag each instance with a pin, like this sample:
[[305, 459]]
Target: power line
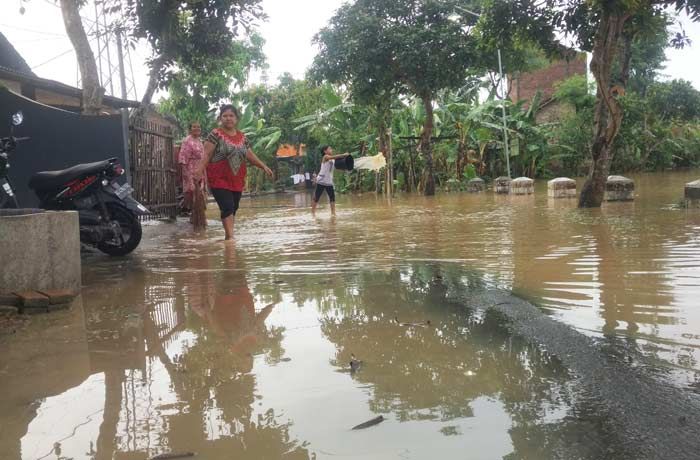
[[53, 58]]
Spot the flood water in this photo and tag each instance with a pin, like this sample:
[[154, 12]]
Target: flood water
[[243, 351]]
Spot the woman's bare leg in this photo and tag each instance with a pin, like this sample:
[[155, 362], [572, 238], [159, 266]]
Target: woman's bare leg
[[333, 208], [228, 227]]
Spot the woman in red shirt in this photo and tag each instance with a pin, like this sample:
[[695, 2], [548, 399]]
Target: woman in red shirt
[[226, 150]]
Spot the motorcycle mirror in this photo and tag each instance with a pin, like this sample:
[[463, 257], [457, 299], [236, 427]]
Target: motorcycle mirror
[[17, 118]]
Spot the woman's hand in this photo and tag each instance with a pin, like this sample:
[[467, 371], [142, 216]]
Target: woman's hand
[[267, 170]]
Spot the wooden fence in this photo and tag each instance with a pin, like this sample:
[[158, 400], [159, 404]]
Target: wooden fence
[[153, 169]]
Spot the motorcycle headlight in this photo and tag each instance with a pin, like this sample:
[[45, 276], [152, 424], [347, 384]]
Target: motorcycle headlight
[[105, 182]]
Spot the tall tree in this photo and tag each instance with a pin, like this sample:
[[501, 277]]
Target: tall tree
[[413, 47], [607, 28], [193, 92], [92, 91], [189, 33], [351, 53]]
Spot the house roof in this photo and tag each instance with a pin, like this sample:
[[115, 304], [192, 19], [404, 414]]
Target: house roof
[[11, 59], [14, 67], [61, 88]]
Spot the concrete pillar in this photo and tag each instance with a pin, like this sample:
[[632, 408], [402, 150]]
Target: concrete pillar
[[619, 188], [40, 252], [692, 194], [476, 185], [522, 186], [501, 184], [561, 187]]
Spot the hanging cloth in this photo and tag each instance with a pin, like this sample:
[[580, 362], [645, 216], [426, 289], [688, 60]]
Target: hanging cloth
[[373, 163]]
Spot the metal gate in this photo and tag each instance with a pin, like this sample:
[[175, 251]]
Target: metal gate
[[152, 164]]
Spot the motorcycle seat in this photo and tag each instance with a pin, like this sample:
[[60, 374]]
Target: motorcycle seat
[[44, 180]]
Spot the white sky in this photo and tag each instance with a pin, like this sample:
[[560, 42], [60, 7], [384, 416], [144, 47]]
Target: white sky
[[40, 37]]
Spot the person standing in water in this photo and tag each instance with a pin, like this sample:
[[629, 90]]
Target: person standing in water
[[226, 150], [324, 179], [189, 158]]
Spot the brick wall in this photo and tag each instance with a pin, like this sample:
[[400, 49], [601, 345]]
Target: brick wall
[[525, 85]]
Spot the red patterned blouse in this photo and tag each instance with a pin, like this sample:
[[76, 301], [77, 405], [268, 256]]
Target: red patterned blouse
[[227, 168]]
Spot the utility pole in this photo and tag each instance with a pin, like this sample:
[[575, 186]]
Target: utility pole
[[503, 112], [110, 34], [120, 57], [390, 167]]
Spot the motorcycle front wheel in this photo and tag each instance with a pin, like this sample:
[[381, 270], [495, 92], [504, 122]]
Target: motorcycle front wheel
[[130, 236]]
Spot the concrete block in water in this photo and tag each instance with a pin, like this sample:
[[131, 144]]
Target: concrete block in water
[[692, 190], [561, 187], [619, 188], [502, 184], [40, 251], [522, 186], [476, 185]]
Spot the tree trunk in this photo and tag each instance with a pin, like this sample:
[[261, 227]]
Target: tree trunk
[[92, 91], [608, 112], [152, 85], [461, 158], [426, 147]]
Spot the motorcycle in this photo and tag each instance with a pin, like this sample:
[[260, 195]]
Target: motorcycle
[[108, 215]]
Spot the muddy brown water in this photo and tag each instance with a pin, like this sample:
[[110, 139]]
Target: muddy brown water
[[242, 351]]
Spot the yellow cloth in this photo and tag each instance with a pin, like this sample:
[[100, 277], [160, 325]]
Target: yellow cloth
[[373, 163]]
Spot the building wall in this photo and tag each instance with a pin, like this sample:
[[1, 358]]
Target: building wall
[[525, 85]]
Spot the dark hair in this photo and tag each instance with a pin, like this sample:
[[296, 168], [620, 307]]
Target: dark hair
[[195, 123], [324, 148], [229, 107]]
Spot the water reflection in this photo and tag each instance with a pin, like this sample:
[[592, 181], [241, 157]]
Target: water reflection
[[214, 358], [242, 351]]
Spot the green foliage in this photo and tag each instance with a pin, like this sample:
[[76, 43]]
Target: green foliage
[[191, 34], [195, 93], [575, 91], [676, 99]]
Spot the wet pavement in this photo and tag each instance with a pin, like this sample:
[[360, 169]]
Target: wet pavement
[[243, 351]]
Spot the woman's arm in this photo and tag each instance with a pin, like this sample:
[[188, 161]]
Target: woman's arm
[[254, 160], [335, 157], [208, 152], [184, 153]]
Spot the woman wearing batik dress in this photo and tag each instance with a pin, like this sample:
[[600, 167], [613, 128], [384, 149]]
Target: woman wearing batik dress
[[226, 151], [190, 157]]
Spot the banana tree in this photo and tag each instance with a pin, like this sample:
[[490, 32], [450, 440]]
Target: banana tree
[[264, 140]]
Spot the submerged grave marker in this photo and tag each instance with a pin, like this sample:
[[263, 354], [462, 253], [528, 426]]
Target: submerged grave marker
[[619, 188], [522, 186], [502, 184], [692, 194], [561, 187], [476, 185]]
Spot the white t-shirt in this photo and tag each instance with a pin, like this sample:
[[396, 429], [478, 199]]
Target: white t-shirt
[[325, 176]]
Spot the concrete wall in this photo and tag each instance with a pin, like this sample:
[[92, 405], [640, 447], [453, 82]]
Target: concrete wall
[[40, 252]]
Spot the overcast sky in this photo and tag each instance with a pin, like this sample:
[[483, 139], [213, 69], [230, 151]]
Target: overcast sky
[[39, 35]]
